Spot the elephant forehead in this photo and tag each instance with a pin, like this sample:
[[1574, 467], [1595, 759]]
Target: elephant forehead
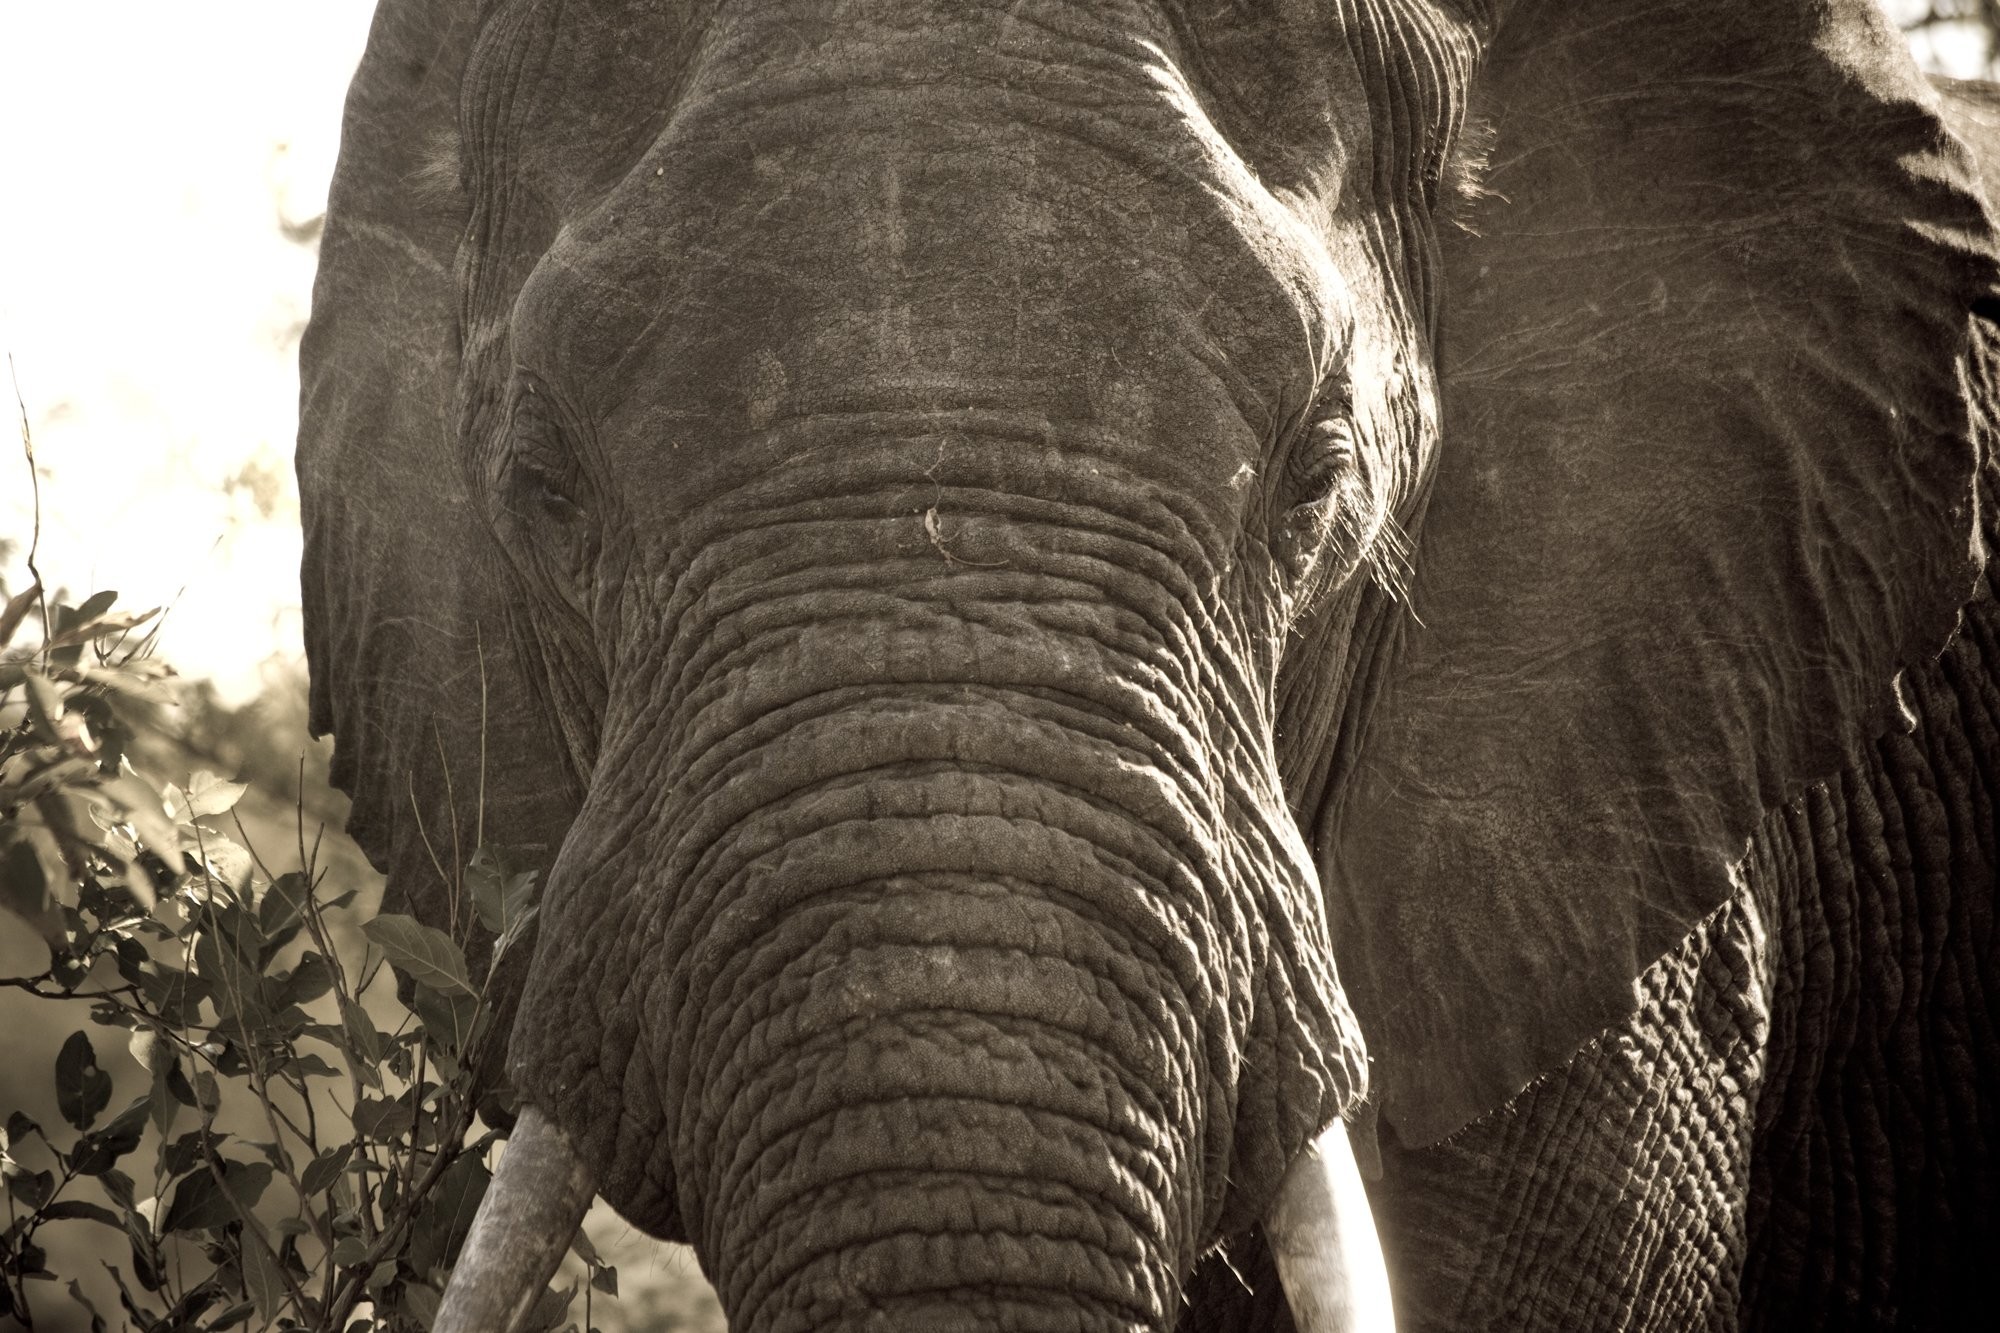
[[1088, 232]]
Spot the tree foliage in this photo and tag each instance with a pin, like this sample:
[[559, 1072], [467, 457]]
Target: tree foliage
[[310, 1151]]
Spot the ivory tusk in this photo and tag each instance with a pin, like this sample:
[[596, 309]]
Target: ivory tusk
[[1323, 1238], [524, 1227]]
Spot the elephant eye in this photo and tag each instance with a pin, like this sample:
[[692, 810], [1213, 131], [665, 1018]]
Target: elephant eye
[[1314, 539], [544, 498], [551, 495], [539, 477], [1322, 459]]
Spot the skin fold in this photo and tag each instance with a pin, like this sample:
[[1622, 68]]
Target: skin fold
[[1073, 593]]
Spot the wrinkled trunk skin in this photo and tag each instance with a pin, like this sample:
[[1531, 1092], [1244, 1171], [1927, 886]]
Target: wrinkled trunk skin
[[944, 943], [934, 948]]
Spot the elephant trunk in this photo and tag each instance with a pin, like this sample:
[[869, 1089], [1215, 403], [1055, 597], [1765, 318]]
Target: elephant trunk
[[949, 1047], [953, 958]]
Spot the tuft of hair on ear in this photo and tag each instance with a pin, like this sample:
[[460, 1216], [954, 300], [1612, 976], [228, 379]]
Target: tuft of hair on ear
[[436, 181], [1464, 183]]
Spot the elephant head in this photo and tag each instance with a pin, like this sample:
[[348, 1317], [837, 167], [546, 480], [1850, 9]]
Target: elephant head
[[943, 521]]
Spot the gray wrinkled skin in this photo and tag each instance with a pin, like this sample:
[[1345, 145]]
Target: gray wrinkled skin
[[1045, 576]]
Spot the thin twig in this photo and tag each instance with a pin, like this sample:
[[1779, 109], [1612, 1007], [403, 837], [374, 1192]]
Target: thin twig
[[457, 882], [479, 814], [251, 847], [35, 483]]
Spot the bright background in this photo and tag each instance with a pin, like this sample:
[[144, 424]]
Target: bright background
[[164, 167]]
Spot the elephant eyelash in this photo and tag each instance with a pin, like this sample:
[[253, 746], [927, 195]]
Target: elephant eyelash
[[1322, 459], [539, 466], [546, 497], [1321, 449], [551, 495]]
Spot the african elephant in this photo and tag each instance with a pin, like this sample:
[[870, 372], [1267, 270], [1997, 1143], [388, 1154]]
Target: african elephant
[[1081, 593]]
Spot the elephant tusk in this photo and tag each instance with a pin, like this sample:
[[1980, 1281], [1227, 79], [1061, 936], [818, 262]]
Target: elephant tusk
[[1323, 1237], [524, 1226]]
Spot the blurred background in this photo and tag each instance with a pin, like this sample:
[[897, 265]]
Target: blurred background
[[165, 169]]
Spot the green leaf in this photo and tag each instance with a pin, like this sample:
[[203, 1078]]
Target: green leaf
[[141, 806], [78, 1210], [45, 772], [144, 1267], [97, 1152], [551, 1308], [179, 1089], [174, 995], [20, 1129], [283, 903], [208, 794], [501, 890], [273, 1151], [80, 629], [82, 1089], [31, 1188], [364, 1045], [76, 1294], [580, 1246], [150, 1049], [306, 982], [165, 1098], [605, 1279], [424, 955], [262, 1280], [118, 1187], [30, 1260], [349, 1251], [307, 1066], [383, 1120], [93, 606], [187, 1152], [421, 1302], [232, 1316], [448, 1019], [324, 1169], [16, 611], [199, 1203], [139, 678], [24, 889], [225, 955], [441, 1228], [489, 890], [225, 862], [45, 707]]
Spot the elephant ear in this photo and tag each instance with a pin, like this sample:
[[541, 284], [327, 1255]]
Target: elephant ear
[[407, 629], [1705, 488]]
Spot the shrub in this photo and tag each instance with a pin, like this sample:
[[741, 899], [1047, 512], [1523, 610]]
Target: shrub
[[315, 1155]]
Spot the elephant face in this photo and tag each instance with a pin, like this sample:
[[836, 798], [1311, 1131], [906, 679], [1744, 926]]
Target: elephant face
[[913, 518], [916, 519]]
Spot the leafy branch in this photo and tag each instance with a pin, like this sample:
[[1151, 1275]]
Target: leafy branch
[[257, 1182]]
